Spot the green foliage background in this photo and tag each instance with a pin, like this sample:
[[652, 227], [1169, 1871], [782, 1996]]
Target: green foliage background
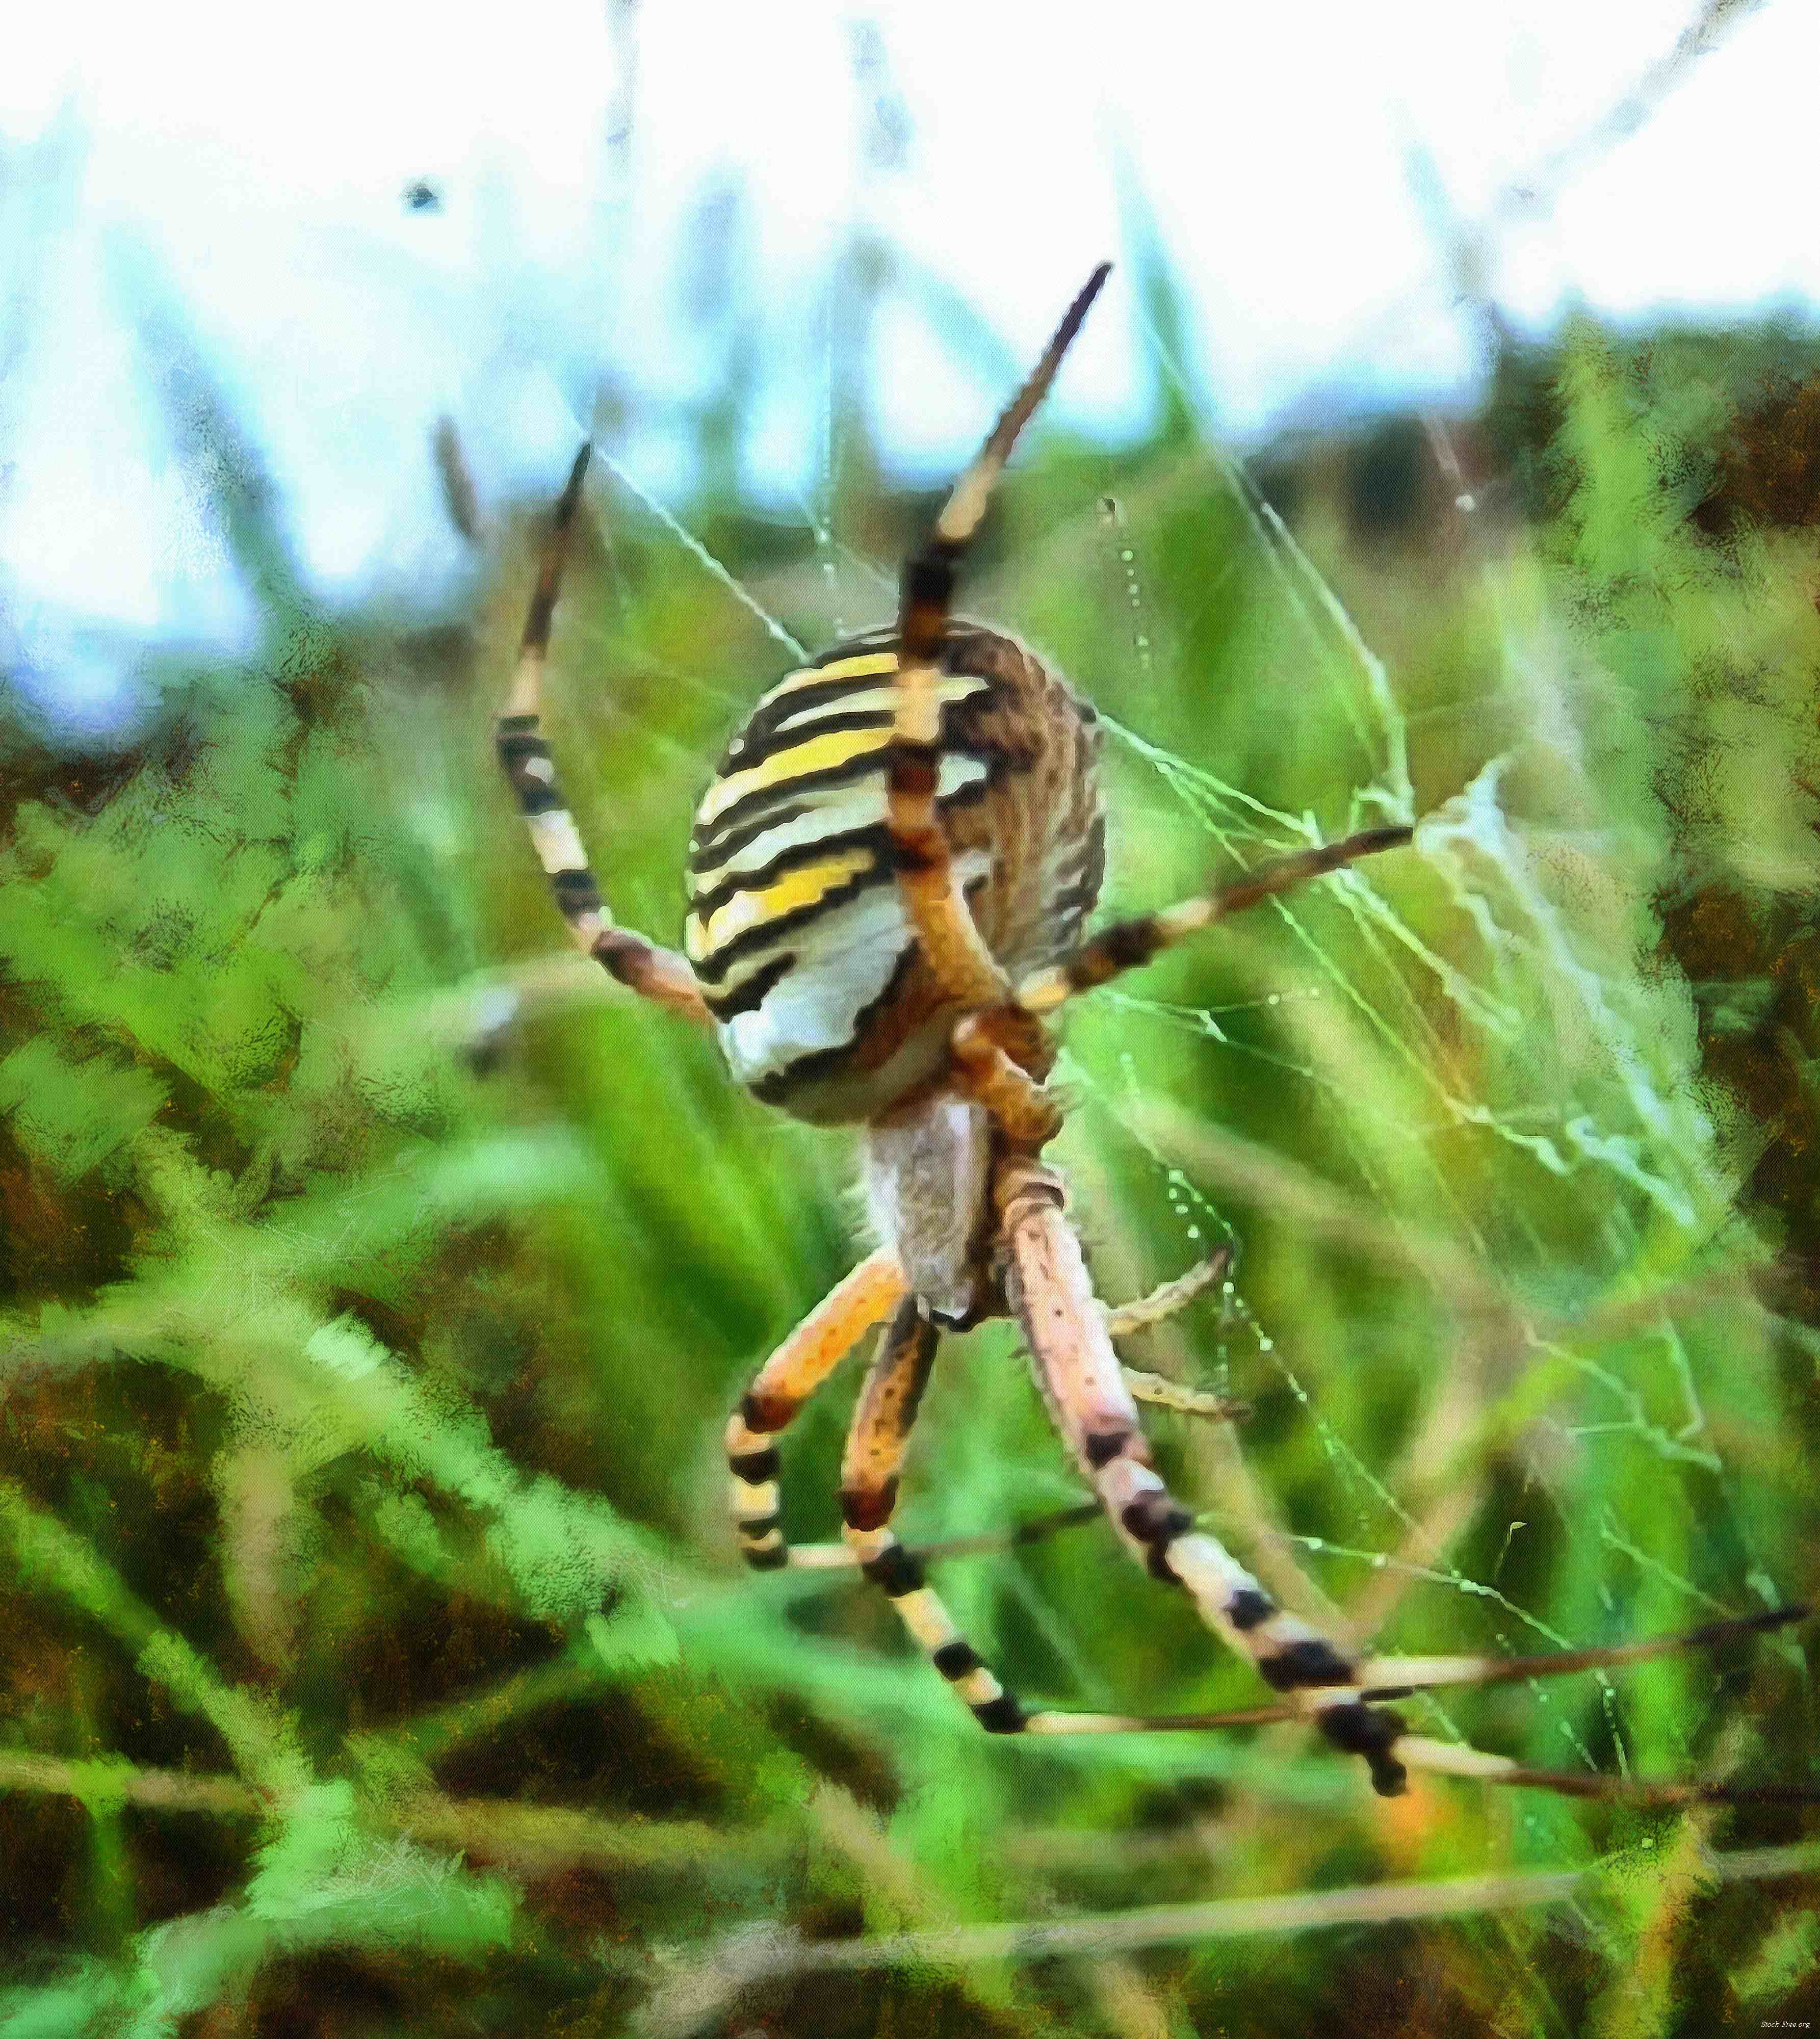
[[376, 1659]]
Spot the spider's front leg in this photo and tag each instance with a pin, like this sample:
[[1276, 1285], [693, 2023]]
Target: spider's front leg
[[653, 972], [1048, 1284]]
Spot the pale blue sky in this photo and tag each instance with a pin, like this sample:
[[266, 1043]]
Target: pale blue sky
[[259, 156]]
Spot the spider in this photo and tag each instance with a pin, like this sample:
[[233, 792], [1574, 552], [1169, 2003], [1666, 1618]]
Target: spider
[[889, 881]]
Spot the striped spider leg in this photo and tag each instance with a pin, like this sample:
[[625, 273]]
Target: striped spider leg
[[889, 879], [653, 972]]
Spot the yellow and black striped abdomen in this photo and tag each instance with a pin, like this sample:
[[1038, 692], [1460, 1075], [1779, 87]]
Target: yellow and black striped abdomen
[[796, 932]]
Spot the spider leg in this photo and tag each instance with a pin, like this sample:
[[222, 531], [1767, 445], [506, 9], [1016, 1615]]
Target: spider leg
[[1396, 1677], [1065, 1329], [1081, 1376], [1018, 1105], [653, 972], [782, 1385], [932, 894], [876, 1443], [1392, 1676], [1285, 1650], [1130, 944], [1161, 1392], [1157, 1308], [1163, 1302]]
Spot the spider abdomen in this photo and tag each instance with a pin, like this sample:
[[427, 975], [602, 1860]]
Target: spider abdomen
[[796, 932]]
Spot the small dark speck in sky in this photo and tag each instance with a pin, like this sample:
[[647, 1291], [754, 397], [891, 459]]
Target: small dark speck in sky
[[421, 197]]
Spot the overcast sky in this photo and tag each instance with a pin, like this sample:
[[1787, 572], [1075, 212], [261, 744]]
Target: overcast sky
[[252, 163]]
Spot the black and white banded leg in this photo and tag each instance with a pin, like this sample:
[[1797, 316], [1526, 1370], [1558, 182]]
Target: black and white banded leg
[[928, 880], [654, 973], [1131, 944], [1080, 1376], [876, 1442]]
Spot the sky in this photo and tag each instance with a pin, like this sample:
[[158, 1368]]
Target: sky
[[242, 171]]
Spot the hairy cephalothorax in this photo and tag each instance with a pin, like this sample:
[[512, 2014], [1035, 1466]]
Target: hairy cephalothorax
[[890, 878]]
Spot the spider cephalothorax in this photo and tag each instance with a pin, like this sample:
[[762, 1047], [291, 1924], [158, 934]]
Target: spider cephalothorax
[[889, 879]]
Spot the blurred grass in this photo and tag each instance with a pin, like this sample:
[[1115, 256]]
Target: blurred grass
[[377, 1660]]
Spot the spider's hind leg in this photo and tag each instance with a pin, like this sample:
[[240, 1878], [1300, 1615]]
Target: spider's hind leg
[[875, 1443], [869, 1473], [1339, 1693], [778, 1391]]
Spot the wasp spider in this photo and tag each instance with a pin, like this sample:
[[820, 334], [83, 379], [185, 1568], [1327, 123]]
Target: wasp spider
[[889, 881]]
